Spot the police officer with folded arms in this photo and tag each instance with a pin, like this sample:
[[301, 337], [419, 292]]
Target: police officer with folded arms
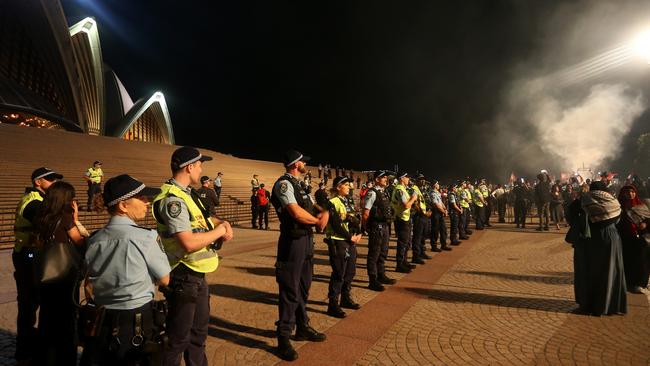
[[294, 265], [23, 259], [377, 212], [439, 227], [188, 236], [421, 214], [402, 202], [125, 262]]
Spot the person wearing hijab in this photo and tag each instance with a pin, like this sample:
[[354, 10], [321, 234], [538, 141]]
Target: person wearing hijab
[[635, 250], [606, 290]]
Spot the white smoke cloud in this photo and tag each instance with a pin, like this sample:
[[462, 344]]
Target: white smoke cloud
[[587, 131]]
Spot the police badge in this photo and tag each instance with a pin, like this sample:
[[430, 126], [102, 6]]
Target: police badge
[[174, 208]]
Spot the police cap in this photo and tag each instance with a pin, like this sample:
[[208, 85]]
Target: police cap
[[186, 155], [204, 179], [419, 176], [123, 187], [46, 173], [340, 180], [401, 175], [292, 156], [381, 173]]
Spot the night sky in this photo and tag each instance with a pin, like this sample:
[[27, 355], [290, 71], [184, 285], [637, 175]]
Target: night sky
[[363, 85]]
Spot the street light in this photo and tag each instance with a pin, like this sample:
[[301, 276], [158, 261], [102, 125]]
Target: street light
[[642, 45]]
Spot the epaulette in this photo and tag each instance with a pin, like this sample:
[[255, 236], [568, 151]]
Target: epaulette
[[94, 232], [142, 227]]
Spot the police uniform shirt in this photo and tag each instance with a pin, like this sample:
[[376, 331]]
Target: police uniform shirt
[[371, 197], [217, 182], [283, 189], [436, 198], [124, 261], [31, 210], [402, 197], [174, 212]]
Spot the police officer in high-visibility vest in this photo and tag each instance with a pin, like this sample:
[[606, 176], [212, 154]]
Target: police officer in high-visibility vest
[[188, 235], [465, 199], [485, 192], [23, 259], [402, 203], [421, 222], [341, 238], [479, 202], [294, 265], [93, 176], [377, 213]]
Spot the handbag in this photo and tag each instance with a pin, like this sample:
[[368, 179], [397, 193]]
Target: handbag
[[56, 259]]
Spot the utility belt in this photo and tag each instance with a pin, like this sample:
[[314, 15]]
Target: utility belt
[[295, 232], [146, 323], [183, 270]]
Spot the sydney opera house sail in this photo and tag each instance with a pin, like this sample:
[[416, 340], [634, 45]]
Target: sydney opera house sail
[[54, 76]]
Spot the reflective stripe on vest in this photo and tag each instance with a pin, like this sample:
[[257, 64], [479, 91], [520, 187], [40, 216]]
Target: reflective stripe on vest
[[464, 198], [23, 229], [401, 212], [343, 214], [203, 260], [423, 204], [477, 198]]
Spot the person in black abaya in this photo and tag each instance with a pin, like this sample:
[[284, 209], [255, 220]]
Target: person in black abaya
[[606, 289]]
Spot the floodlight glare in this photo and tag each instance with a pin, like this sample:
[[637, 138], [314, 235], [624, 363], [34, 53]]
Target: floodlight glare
[[642, 45]]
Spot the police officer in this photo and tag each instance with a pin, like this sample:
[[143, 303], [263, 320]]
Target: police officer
[[488, 206], [402, 202], [520, 191], [456, 231], [294, 265], [23, 259], [125, 262], [377, 212], [439, 227], [479, 203], [421, 222], [188, 234], [465, 203], [341, 238], [93, 176]]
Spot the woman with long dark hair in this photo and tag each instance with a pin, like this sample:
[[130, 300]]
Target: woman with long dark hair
[[58, 219], [635, 249]]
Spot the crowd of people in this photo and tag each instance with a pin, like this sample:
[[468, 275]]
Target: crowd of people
[[121, 264]]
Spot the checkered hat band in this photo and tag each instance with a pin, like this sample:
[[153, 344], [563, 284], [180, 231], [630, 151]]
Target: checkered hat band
[[126, 196], [295, 161], [191, 161], [44, 175]]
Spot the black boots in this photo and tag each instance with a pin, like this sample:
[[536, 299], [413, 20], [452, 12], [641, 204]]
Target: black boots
[[307, 333], [348, 303], [375, 284], [382, 278], [333, 309], [285, 349]]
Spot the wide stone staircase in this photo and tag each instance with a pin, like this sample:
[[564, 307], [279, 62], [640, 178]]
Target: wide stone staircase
[[22, 149]]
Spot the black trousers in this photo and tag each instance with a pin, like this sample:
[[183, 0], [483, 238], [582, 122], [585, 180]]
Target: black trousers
[[544, 213], [438, 229], [124, 348], [501, 208], [480, 216], [343, 260], [403, 231], [254, 214], [520, 212], [27, 289], [93, 189], [57, 341], [467, 214], [454, 226], [217, 190], [420, 226], [263, 216], [188, 318], [377, 248], [293, 273]]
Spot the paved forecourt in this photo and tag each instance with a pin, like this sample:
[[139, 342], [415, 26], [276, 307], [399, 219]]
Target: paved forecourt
[[502, 297]]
